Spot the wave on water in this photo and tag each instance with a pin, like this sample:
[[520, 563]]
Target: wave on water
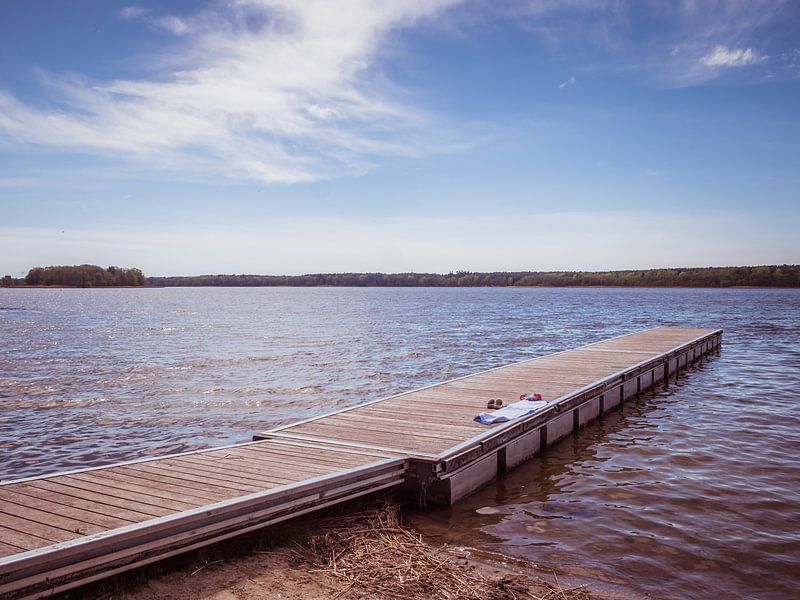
[[687, 492]]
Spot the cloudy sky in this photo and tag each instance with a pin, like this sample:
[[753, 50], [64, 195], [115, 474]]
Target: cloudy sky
[[248, 136]]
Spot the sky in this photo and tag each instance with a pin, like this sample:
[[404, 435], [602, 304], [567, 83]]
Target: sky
[[280, 137]]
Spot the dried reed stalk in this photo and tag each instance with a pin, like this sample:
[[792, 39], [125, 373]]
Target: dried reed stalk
[[377, 557]]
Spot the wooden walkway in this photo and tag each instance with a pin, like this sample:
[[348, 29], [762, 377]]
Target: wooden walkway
[[72, 528], [432, 421], [68, 529]]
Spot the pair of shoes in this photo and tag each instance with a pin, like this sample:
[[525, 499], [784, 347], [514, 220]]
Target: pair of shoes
[[495, 403]]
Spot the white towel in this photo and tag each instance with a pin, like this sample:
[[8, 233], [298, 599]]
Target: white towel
[[511, 412]]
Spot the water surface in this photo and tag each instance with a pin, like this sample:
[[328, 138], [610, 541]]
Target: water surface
[[684, 493]]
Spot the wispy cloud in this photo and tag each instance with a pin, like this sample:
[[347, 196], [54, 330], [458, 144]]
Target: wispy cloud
[[133, 12], [274, 91], [722, 56], [688, 42], [568, 83], [169, 23]]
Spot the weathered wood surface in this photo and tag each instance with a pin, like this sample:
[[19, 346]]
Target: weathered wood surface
[[434, 420], [38, 512]]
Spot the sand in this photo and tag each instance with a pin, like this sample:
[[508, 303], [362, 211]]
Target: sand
[[362, 553]]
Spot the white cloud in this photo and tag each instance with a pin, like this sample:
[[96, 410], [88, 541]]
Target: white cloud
[[722, 56], [275, 91], [133, 12], [680, 33], [169, 23], [569, 82], [173, 24]]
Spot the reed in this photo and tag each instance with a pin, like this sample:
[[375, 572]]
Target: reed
[[375, 555]]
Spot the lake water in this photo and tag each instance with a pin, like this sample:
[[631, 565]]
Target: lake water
[[687, 492]]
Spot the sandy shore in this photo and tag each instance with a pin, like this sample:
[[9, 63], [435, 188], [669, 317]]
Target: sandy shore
[[360, 552], [278, 574]]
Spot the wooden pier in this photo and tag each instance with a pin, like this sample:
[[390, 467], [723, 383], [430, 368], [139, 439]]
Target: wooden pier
[[68, 529]]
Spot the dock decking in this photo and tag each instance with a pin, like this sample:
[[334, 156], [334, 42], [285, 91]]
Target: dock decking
[[67, 529]]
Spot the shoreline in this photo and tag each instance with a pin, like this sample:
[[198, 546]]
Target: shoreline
[[362, 550], [470, 287], [78, 287]]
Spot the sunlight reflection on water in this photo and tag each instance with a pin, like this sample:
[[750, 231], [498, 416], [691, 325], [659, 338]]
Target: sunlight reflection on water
[[683, 493]]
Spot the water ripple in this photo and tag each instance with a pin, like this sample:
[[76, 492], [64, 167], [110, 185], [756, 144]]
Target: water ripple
[[688, 492]]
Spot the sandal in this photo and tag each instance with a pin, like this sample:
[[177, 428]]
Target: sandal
[[491, 404], [498, 403]]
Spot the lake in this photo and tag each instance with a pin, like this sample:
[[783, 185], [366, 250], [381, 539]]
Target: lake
[[685, 492]]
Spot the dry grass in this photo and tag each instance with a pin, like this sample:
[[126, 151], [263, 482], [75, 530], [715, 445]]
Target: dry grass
[[358, 551], [376, 556]]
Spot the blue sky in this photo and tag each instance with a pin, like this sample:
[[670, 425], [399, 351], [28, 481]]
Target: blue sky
[[244, 136]]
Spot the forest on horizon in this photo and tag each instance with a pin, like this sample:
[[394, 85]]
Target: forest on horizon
[[757, 276], [84, 276], [712, 277]]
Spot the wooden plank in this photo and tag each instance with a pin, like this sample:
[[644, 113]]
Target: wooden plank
[[13, 495], [230, 476], [470, 400], [340, 430], [327, 455], [429, 409], [234, 468], [374, 454], [7, 549], [405, 415], [518, 386], [50, 519], [93, 504], [40, 530], [145, 471], [290, 457], [454, 417], [275, 471], [258, 477], [295, 436], [322, 430], [104, 485], [165, 484], [25, 541], [478, 394], [413, 423], [216, 474], [301, 457], [58, 485], [399, 428], [190, 473]]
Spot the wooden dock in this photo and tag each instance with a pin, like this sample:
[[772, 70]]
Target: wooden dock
[[450, 455], [68, 529]]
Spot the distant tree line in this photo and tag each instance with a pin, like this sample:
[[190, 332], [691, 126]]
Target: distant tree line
[[85, 276], [714, 277]]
